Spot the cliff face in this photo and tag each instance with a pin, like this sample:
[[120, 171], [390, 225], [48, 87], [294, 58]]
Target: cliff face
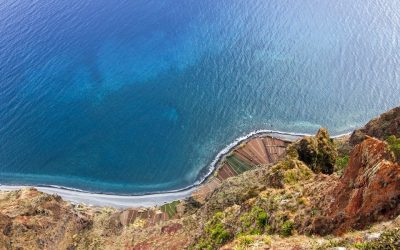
[[370, 187], [381, 127], [269, 206], [368, 191]]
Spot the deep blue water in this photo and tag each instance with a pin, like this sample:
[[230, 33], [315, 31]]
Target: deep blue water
[[139, 96]]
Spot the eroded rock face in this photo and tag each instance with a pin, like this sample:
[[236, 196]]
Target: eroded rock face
[[369, 191], [381, 127]]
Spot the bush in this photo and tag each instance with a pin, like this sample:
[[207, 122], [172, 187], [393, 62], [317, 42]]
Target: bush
[[287, 228], [254, 222], [342, 163], [215, 233], [245, 240], [216, 229], [219, 234], [262, 218], [394, 146], [203, 245]]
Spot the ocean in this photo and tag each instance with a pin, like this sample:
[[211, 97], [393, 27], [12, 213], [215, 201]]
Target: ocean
[[134, 97]]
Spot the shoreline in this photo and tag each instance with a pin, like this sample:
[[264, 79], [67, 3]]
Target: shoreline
[[121, 201]]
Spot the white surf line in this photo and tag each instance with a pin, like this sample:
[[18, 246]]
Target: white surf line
[[109, 200], [149, 200]]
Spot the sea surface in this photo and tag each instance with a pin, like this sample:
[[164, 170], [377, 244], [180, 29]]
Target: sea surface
[[132, 97]]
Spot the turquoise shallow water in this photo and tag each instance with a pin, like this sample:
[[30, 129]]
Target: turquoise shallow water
[[139, 96]]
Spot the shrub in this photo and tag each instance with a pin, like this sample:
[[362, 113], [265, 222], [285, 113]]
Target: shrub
[[388, 240], [204, 245], [394, 146], [245, 240], [254, 222], [215, 234], [287, 228], [298, 172], [342, 163], [262, 218], [219, 234], [216, 229], [361, 245]]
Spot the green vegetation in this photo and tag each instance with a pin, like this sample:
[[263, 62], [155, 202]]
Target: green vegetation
[[318, 152], [287, 228], [245, 241], [216, 233], [388, 240], [262, 218], [290, 177], [238, 165], [170, 208], [216, 229], [394, 146], [361, 245], [254, 222], [298, 172], [342, 163], [203, 246]]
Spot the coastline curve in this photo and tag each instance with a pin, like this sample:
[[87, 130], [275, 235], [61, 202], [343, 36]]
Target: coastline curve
[[157, 198]]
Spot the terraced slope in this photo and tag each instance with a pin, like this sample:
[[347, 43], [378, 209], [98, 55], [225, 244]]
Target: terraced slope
[[248, 155]]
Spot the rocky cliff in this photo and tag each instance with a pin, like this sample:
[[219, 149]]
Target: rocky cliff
[[368, 191], [380, 127], [322, 194]]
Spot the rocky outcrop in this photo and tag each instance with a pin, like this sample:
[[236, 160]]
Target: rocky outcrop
[[381, 127], [318, 152], [368, 191]]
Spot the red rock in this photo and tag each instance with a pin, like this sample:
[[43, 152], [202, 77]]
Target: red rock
[[369, 189], [171, 228]]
